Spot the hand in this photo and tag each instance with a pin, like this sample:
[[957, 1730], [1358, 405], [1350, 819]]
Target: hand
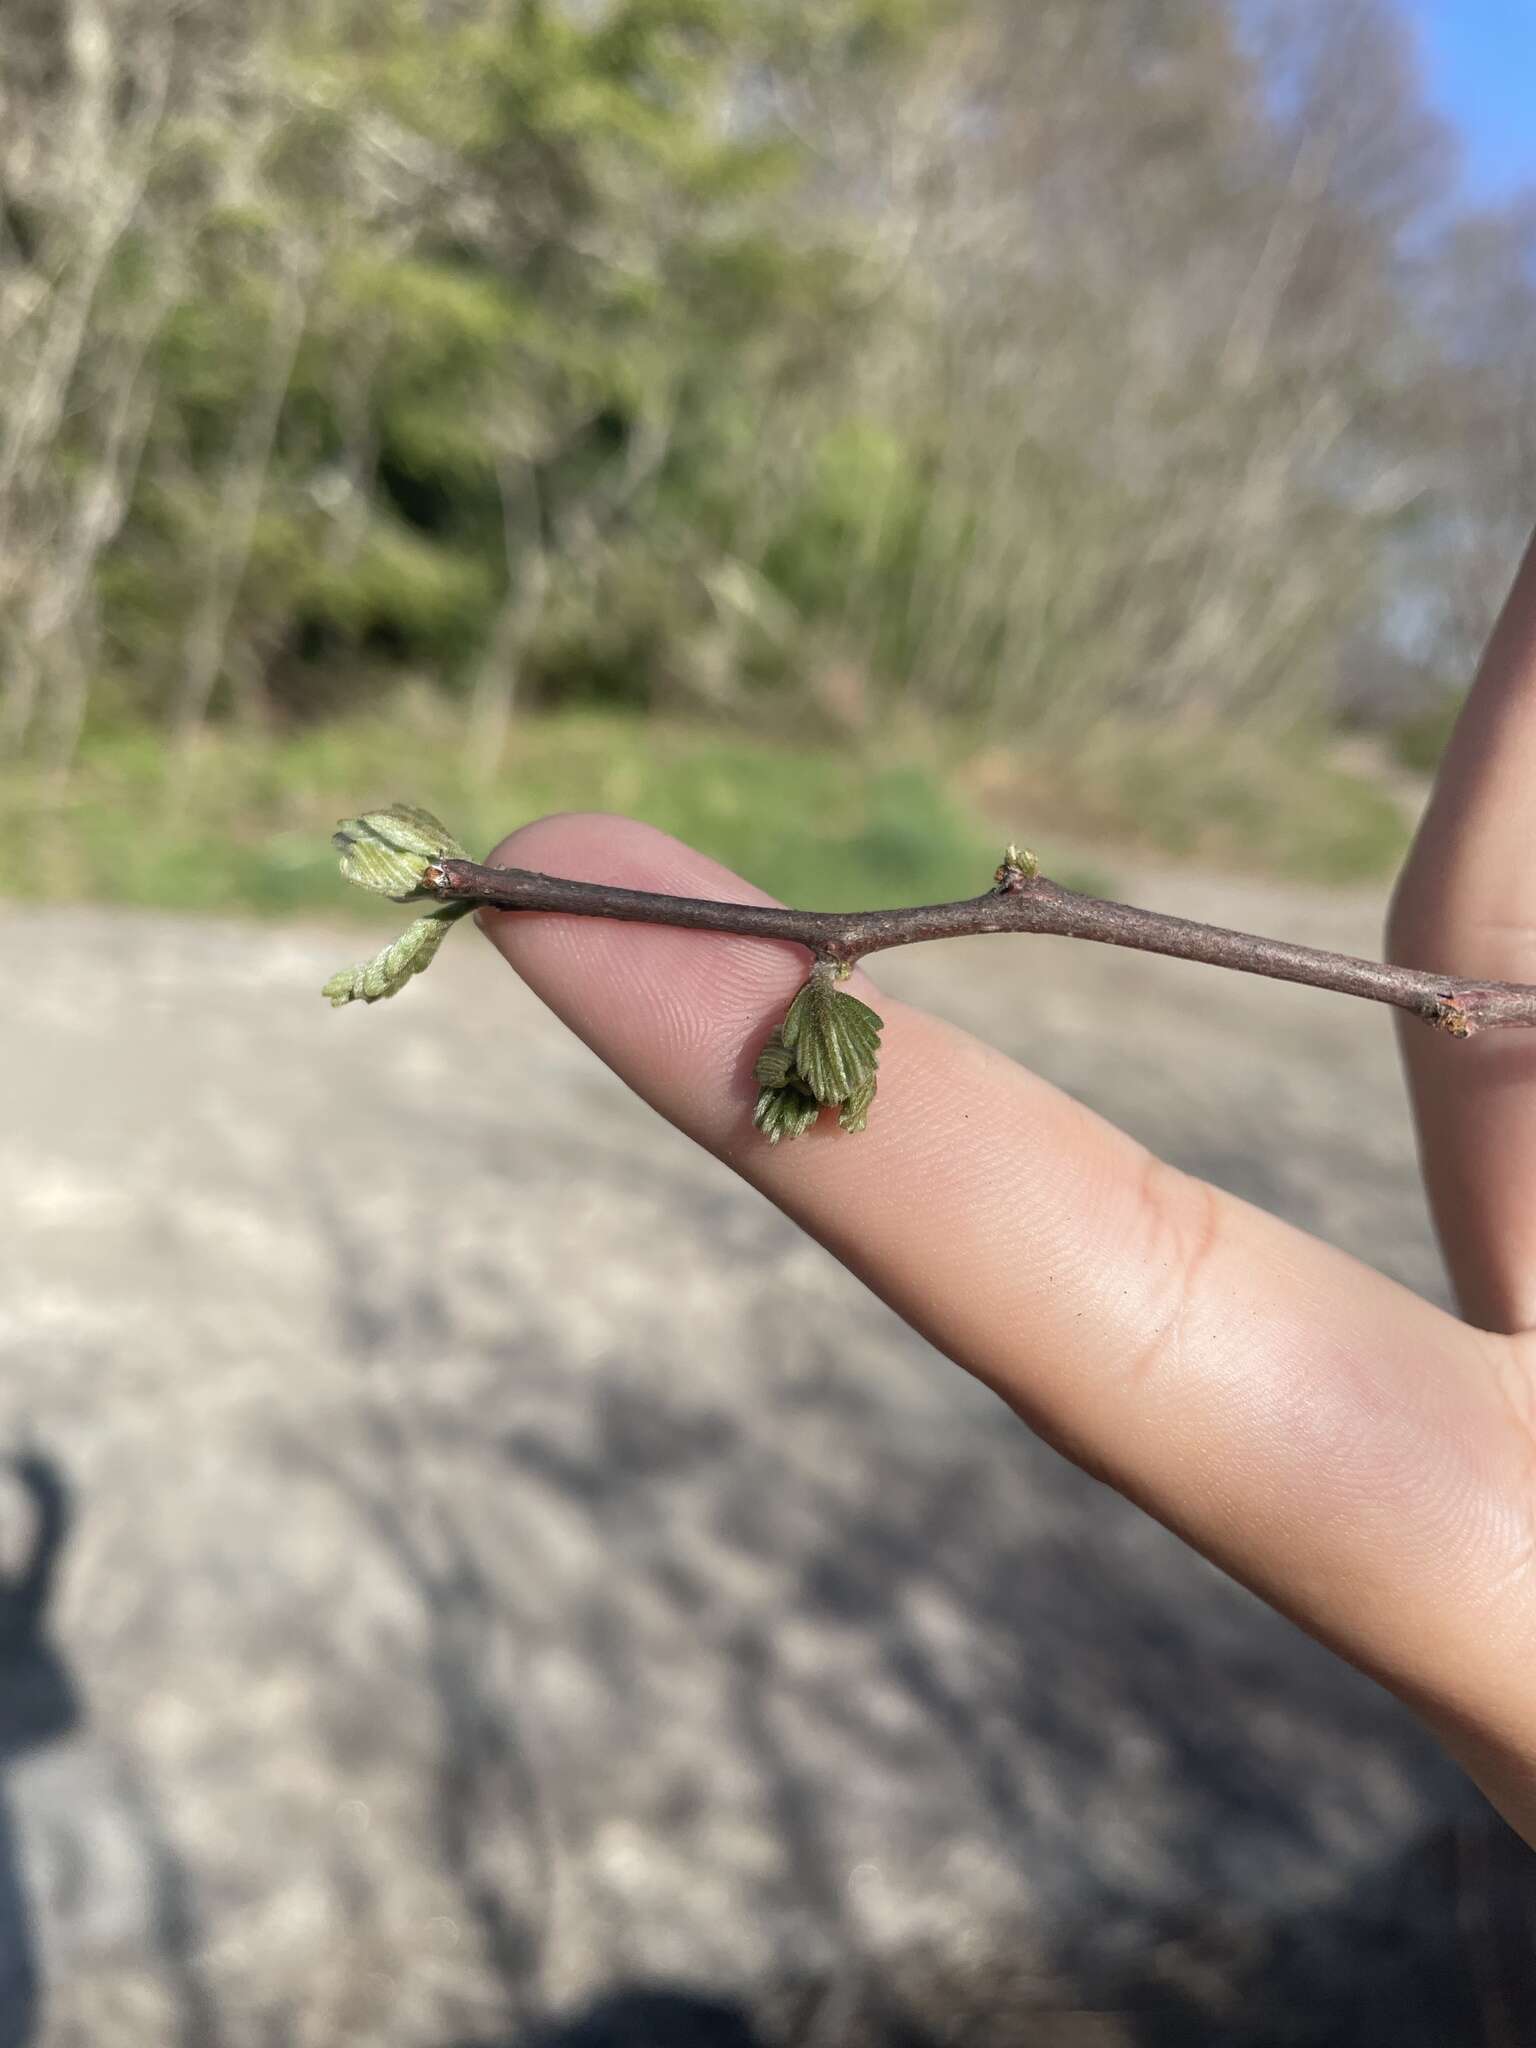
[[1363, 1460]]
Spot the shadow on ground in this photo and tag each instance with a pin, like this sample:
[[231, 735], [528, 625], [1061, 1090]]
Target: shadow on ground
[[38, 1707], [1145, 1767], [530, 1597], [1437, 1949]]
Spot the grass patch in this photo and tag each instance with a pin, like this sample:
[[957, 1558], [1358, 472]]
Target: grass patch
[[1418, 742], [1241, 802], [248, 827]]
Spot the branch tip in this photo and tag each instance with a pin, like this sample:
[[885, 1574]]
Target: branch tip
[[826, 1052]]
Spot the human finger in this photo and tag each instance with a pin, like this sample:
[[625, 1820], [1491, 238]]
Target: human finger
[[1320, 1432], [1466, 906]]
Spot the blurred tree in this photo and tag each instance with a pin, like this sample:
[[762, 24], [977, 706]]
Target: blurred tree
[[1168, 405], [1478, 295], [498, 301], [84, 91], [447, 330], [1017, 365]]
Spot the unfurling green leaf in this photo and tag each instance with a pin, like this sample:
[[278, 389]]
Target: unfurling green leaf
[[786, 1112], [775, 1063], [1019, 869], [390, 851], [389, 971], [854, 1114], [834, 1037], [826, 1051]]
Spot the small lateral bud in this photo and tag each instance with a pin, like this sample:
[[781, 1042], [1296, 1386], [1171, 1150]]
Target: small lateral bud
[[1018, 870]]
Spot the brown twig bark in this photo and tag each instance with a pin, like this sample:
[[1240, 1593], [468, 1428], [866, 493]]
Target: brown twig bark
[[1020, 903]]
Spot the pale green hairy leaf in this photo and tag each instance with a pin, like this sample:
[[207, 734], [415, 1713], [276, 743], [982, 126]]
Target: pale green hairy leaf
[[389, 971], [390, 851], [775, 1063], [854, 1114], [826, 1051], [835, 1040], [786, 1112]]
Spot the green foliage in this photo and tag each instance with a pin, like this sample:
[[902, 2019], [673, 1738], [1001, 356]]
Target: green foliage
[[392, 851], [826, 1052], [459, 299], [835, 1040], [1030, 372], [397, 963], [1419, 742], [246, 828], [1242, 801], [785, 1107]]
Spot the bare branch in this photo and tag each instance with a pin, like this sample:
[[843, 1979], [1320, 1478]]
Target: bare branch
[[1019, 903]]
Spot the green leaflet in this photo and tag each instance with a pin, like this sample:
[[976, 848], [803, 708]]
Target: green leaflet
[[826, 1051], [775, 1063], [835, 1040], [389, 851], [786, 1112], [389, 971], [854, 1114]]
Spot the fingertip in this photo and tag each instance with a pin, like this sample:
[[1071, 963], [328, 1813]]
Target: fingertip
[[604, 846], [647, 997]]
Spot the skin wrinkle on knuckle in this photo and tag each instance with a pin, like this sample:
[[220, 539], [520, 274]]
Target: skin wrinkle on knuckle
[[1439, 913], [1466, 945], [730, 980], [1181, 1221], [1514, 1373], [1512, 1369]]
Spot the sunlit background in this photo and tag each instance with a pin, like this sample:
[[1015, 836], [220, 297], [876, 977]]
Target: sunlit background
[[469, 1574], [1124, 411]]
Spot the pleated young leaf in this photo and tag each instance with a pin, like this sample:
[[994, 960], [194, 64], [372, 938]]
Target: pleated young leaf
[[390, 851], [775, 1063], [389, 971], [786, 1112], [835, 1040], [854, 1114]]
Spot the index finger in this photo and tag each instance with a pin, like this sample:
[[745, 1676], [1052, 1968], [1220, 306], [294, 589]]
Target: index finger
[[1316, 1429], [1466, 906]]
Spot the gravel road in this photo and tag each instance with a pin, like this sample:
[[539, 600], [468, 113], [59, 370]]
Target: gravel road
[[476, 1576]]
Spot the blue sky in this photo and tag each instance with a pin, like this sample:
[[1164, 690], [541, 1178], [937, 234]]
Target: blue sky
[[1480, 71]]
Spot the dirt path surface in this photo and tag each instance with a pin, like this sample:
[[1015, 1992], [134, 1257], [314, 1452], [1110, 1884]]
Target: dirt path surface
[[476, 1575]]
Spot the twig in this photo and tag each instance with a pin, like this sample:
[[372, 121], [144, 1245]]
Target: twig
[[1021, 902]]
